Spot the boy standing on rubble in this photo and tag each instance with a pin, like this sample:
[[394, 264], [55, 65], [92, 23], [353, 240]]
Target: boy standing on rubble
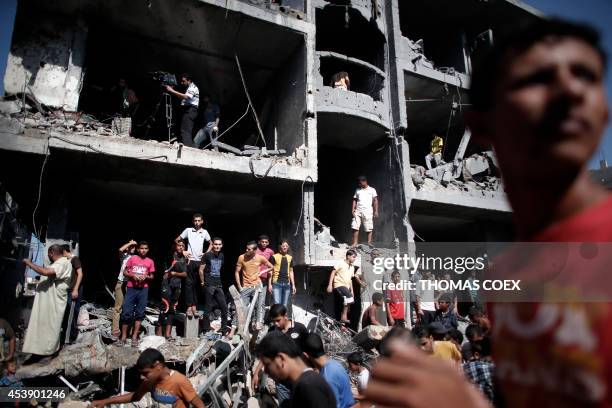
[[197, 239], [167, 387], [171, 289], [210, 272], [341, 283], [125, 252], [247, 278], [365, 209], [139, 270]]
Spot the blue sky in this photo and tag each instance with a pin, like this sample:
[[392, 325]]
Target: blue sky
[[595, 12]]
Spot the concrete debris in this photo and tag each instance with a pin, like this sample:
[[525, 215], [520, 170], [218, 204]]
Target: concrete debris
[[12, 126], [475, 167], [477, 175], [151, 342], [10, 107], [59, 120]]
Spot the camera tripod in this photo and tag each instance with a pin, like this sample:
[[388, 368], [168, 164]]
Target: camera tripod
[[166, 98]]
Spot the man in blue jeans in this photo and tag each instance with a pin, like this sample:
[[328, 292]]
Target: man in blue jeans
[[281, 285], [248, 281], [139, 270], [210, 279], [211, 122]]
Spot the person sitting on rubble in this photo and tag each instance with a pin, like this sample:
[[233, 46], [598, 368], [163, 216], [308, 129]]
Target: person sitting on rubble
[[210, 128], [282, 360], [369, 315], [282, 284], [139, 270], [9, 377], [171, 289], [341, 283], [365, 209], [297, 332], [341, 80], [248, 281], [357, 367], [167, 387], [210, 272], [434, 157], [331, 370], [43, 332], [125, 252]]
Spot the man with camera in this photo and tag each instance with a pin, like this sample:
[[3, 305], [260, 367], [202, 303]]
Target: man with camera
[[189, 107]]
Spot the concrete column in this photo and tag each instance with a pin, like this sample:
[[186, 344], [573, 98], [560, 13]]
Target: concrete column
[[46, 59]]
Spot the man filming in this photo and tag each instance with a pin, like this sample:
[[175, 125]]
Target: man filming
[[189, 107]]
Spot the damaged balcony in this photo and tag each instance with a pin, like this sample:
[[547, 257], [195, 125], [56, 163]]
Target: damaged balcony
[[350, 46], [231, 56], [464, 173], [445, 46]]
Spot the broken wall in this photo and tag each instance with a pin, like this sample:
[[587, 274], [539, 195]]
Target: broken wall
[[47, 57]]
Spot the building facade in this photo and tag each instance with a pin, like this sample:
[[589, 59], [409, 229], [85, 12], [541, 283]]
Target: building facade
[[272, 69]]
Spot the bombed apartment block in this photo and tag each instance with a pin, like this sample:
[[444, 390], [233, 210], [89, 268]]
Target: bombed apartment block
[[101, 141]]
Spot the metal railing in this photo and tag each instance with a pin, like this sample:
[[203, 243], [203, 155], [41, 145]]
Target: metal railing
[[239, 354]]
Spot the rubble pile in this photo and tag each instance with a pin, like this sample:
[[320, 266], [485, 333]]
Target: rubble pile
[[36, 116], [476, 175]]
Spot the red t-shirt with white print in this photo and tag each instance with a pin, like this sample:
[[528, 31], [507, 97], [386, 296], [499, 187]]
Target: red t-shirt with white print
[[139, 266], [559, 354]]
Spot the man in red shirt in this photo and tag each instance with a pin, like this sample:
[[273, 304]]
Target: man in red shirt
[[538, 97], [139, 270], [396, 307]]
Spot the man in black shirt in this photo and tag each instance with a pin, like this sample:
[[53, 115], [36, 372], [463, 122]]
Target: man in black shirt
[[297, 332], [210, 279], [75, 292], [281, 322], [171, 289], [281, 358]]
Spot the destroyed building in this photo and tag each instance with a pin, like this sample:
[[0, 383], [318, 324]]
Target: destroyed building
[[269, 66]]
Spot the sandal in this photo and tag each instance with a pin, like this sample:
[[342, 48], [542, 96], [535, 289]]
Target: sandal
[[135, 343]]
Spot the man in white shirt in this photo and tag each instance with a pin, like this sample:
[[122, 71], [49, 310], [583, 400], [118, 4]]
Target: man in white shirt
[[196, 237], [365, 209], [189, 107], [425, 299]]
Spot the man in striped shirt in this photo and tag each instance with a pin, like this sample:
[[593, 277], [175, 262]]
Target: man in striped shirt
[[189, 107]]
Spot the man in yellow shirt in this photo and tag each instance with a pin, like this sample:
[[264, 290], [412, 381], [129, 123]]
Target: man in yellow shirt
[[442, 349], [341, 283]]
